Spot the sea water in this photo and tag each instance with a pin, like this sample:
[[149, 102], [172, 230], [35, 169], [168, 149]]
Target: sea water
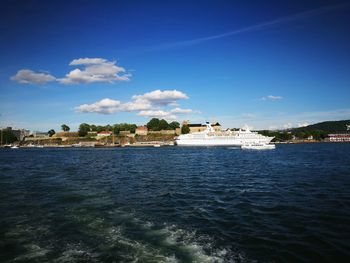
[[174, 204]]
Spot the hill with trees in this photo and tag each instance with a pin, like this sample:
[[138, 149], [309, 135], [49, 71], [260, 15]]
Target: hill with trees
[[317, 131], [326, 126]]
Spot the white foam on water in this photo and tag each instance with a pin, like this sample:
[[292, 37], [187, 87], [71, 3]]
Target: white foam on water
[[139, 250], [74, 253], [189, 242], [24, 235], [33, 251], [165, 243], [123, 236]]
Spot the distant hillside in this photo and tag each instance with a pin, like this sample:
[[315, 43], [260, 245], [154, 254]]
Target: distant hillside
[[326, 126]]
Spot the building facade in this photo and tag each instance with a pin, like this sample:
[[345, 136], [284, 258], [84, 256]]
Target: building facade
[[141, 130], [201, 127], [20, 134], [338, 137], [164, 132], [104, 134]]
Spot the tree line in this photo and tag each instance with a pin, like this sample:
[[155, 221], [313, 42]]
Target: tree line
[[156, 124], [84, 128], [297, 134]]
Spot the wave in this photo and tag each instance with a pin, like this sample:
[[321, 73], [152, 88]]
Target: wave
[[118, 236]]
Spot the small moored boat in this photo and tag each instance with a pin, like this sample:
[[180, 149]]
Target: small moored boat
[[258, 146]]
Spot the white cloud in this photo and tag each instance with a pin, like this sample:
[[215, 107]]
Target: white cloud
[[277, 120], [157, 114], [182, 111], [148, 105], [104, 106], [249, 115], [287, 125], [87, 61], [169, 115], [110, 106], [173, 104], [91, 70], [165, 97], [272, 97], [27, 76], [303, 124], [94, 70], [136, 105]]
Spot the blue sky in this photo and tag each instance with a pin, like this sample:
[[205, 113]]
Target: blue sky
[[268, 64]]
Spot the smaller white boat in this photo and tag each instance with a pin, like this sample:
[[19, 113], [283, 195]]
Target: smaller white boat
[[14, 147], [156, 145], [34, 146], [258, 146]]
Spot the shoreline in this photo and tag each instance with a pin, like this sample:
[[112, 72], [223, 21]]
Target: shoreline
[[145, 145]]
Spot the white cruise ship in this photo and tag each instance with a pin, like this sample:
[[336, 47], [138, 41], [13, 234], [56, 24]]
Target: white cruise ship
[[209, 137]]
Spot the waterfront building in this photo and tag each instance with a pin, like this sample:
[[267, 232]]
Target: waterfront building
[[18, 133], [39, 134], [310, 138], [124, 133], [104, 134], [338, 137], [141, 130], [163, 132], [92, 133], [66, 134], [195, 127]]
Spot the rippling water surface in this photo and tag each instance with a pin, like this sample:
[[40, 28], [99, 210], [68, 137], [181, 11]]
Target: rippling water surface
[[176, 204]]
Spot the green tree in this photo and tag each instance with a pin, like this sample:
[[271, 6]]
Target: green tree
[[84, 128], [51, 132], [153, 124], [173, 125], [100, 128], [185, 129], [285, 136], [93, 127], [65, 127], [163, 125], [133, 128], [116, 128], [300, 135], [8, 136], [264, 132]]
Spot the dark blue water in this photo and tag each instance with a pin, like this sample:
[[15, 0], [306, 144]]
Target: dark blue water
[[176, 204]]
